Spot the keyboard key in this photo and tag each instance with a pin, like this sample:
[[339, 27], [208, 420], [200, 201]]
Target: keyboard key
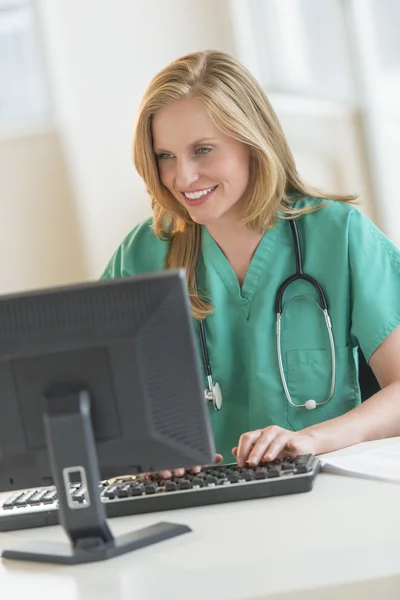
[[185, 484], [10, 503], [303, 463], [136, 490], [211, 479], [261, 473], [274, 472], [23, 499], [36, 497], [198, 481], [122, 492], [287, 466], [248, 474], [171, 486], [110, 492], [49, 497], [79, 496]]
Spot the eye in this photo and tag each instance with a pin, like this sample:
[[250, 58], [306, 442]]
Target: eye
[[203, 150], [164, 156]]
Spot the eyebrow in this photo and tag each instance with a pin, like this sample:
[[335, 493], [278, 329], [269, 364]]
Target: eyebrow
[[196, 143]]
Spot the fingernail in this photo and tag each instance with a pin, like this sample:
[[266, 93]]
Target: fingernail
[[166, 474], [179, 472]]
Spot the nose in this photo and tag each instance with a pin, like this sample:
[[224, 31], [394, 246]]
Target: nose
[[186, 174]]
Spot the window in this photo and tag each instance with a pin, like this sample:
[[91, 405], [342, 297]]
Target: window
[[23, 93], [303, 48], [332, 71], [386, 15]]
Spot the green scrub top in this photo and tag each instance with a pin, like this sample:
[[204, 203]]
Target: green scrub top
[[359, 270]]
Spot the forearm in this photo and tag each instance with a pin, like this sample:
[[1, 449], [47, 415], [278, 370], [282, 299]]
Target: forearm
[[376, 418]]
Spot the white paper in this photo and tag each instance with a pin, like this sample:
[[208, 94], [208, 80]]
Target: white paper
[[381, 463]]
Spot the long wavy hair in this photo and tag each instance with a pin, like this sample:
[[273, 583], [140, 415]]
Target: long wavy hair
[[238, 106]]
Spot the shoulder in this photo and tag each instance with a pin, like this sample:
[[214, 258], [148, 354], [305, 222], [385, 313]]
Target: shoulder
[[142, 235], [347, 246], [337, 222], [141, 251], [327, 211], [342, 221]]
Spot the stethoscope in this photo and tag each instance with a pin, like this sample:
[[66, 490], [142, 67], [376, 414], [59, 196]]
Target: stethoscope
[[213, 393]]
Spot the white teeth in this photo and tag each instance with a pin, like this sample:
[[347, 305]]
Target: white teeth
[[196, 195]]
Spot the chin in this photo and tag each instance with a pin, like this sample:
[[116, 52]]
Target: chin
[[205, 215], [203, 218]]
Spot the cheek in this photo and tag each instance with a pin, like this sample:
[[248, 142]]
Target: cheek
[[166, 176], [235, 172], [242, 171]]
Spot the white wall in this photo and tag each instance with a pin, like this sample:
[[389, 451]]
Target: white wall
[[101, 57], [40, 243], [68, 196]]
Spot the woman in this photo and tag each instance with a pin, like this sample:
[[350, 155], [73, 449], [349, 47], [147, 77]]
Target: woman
[[224, 186]]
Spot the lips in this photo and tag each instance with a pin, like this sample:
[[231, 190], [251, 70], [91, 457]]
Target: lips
[[201, 200]]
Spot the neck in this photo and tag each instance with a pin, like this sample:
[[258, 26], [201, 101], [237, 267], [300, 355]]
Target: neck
[[238, 242], [229, 230], [232, 234]]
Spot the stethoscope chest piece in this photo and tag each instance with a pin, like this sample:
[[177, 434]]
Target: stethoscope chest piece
[[310, 404], [214, 395]]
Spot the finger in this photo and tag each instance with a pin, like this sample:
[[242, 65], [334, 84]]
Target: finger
[[262, 447], [179, 472], [292, 445], [277, 446], [218, 459], [295, 447], [195, 469], [291, 449], [166, 474], [245, 446]]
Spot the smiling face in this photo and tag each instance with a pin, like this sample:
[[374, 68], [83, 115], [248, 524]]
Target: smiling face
[[206, 170]]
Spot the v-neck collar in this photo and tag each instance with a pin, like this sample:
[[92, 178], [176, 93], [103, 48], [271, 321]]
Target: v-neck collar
[[244, 295]]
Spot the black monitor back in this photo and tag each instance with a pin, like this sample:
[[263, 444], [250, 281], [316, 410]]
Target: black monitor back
[[130, 344]]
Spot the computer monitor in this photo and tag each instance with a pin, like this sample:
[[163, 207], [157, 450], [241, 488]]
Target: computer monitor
[[98, 380]]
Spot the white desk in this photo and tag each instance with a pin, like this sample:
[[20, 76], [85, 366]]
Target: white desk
[[345, 533]]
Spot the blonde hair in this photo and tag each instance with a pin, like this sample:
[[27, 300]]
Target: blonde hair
[[239, 107]]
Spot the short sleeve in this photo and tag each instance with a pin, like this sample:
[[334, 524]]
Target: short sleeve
[[140, 252], [375, 283], [114, 267]]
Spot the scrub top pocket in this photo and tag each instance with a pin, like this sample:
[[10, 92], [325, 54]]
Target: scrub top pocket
[[309, 374]]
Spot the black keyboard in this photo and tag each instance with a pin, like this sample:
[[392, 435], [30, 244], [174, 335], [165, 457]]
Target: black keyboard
[[149, 493]]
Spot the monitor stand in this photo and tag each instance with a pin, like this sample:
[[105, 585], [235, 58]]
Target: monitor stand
[[73, 458]]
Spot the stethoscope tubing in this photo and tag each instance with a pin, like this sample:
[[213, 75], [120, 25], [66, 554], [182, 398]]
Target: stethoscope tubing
[[210, 393]]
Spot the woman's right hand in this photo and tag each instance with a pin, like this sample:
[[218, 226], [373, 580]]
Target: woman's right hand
[[181, 472]]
